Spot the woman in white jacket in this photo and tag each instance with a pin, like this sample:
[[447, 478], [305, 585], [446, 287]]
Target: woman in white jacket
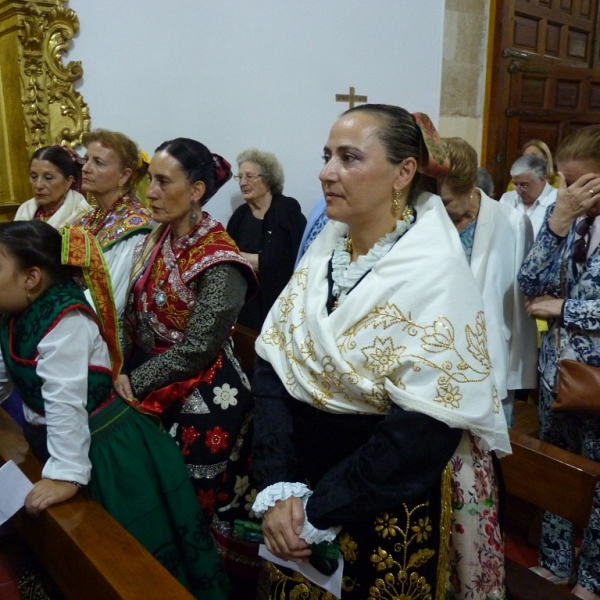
[[496, 239], [55, 177]]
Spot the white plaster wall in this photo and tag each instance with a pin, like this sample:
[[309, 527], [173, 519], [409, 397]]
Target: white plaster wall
[[235, 73]]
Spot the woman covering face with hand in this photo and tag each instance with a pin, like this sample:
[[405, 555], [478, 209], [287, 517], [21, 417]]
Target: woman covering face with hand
[[561, 277], [374, 411]]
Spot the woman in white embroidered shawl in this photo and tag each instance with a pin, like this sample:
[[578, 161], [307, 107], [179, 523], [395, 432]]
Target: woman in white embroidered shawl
[[376, 409], [55, 178]]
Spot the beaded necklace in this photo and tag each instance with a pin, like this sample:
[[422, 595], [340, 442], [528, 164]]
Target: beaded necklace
[[96, 221]]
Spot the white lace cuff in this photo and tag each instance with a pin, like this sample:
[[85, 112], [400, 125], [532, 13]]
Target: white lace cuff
[[278, 491], [312, 535]]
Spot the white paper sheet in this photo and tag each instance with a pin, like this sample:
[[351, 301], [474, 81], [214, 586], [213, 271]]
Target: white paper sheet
[[14, 487], [331, 583]]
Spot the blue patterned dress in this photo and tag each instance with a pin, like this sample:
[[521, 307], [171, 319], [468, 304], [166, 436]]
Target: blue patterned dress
[[579, 331]]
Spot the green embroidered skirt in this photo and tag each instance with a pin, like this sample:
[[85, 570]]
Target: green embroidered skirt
[[139, 476]]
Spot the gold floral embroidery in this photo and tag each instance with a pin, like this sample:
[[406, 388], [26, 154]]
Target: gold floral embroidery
[[496, 398], [348, 547], [294, 586], [382, 356], [328, 382], [405, 584]]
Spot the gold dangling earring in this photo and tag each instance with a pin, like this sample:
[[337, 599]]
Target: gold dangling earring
[[397, 202], [119, 190], [28, 296]]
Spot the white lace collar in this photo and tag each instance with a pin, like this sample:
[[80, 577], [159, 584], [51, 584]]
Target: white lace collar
[[346, 274]]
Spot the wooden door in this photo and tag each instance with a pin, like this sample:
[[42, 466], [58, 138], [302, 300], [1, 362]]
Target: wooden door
[[545, 76]]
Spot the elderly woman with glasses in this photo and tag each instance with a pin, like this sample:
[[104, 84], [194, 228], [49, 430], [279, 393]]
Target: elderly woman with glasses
[[267, 230], [561, 276]]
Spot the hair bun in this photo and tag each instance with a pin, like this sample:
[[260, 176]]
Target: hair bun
[[434, 160], [222, 170]]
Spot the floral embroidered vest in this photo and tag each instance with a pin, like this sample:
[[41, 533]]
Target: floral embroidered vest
[[126, 217], [20, 336]]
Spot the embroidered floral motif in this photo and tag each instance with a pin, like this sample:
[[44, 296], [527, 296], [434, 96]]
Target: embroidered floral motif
[[250, 499], [216, 439], [207, 501], [188, 436], [348, 547], [423, 529], [225, 396], [406, 582], [383, 357]]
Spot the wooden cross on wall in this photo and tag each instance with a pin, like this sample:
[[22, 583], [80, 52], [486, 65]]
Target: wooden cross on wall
[[351, 98]]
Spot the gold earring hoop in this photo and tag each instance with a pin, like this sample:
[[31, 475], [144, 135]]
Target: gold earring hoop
[[397, 202]]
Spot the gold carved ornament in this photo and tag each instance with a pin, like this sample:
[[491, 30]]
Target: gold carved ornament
[[54, 111]]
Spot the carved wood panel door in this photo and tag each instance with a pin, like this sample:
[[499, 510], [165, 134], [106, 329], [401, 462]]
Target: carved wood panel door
[[545, 76]]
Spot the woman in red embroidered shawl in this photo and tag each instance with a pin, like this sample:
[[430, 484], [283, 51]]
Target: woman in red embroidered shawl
[[188, 285]]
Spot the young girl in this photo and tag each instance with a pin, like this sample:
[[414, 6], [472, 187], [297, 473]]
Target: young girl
[[62, 360]]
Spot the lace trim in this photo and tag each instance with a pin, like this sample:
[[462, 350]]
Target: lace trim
[[346, 275], [283, 491], [278, 491]]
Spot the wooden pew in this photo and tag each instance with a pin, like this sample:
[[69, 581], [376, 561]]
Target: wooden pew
[[552, 479], [535, 472], [85, 551]]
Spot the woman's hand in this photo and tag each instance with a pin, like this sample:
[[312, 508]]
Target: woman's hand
[[574, 201], [47, 492], [544, 307], [123, 388], [282, 524]]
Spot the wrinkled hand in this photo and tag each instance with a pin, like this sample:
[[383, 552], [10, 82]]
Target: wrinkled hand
[[282, 524], [574, 201], [544, 307], [47, 492], [124, 389]]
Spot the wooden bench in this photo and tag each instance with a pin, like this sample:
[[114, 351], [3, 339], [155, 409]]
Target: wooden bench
[[552, 479], [85, 551]]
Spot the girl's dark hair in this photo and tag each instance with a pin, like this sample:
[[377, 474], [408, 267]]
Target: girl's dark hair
[[400, 136], [36, 244], [62, 160], [198, 164]]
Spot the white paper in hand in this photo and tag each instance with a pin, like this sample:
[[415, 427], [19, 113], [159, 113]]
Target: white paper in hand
[[14, 487]]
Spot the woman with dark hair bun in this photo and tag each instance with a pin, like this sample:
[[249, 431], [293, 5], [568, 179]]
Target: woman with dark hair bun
[[376, 411], [55, 178], [187, 287], [63, 358]]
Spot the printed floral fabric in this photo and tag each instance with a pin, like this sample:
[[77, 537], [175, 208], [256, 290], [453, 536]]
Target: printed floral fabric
[[476, 570], [579, 434]]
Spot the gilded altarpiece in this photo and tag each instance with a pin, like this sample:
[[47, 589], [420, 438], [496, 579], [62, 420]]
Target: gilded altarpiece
[[38, 101]]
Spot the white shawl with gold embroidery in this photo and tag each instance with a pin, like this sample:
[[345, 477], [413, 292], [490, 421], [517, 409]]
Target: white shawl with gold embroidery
[[412, 332]]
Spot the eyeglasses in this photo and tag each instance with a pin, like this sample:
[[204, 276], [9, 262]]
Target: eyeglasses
[[521, 186], [581, 244], [247, 176]]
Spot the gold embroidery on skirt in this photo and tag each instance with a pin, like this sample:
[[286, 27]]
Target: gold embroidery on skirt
[[348, 547], [445, 529], [300, 587], [405, 585]]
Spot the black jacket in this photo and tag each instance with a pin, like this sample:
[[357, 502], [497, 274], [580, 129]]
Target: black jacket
[[283, 226]]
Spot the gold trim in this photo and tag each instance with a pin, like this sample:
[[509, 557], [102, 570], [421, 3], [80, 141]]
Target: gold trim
[[54, 112], [445, 529]]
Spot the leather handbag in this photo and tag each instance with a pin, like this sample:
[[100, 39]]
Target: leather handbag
[[578, 386]]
